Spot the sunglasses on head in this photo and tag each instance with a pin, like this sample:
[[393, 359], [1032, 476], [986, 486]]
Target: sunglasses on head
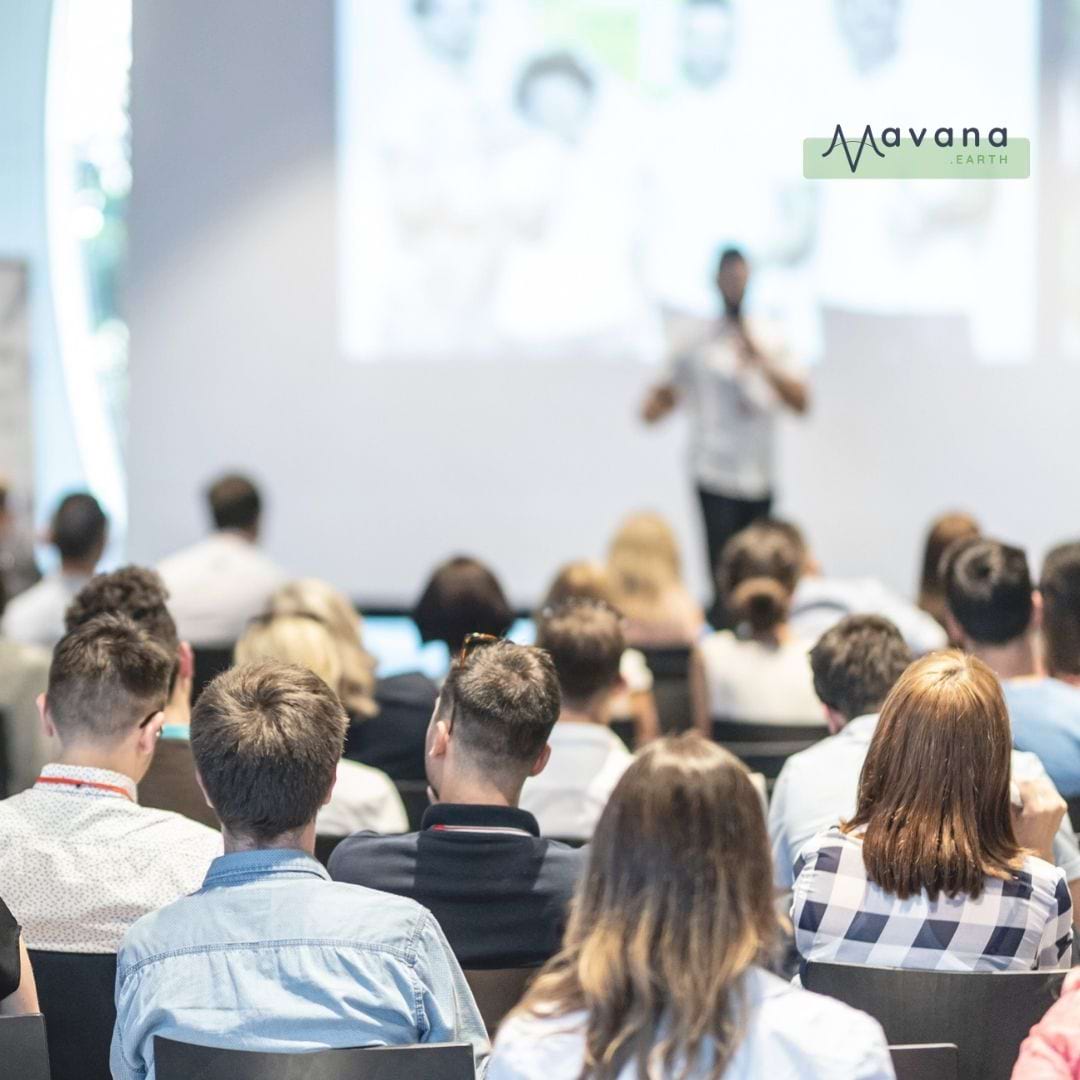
[[473, 642]]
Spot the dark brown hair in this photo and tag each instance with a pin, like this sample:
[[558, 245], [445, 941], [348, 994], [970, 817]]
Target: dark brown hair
[[79, 526], [759, 569], [934, 791], [944, 531], [235, 502], [106, 675], [267, 738], [663, 928], [462, 597], [134, 591], [857, 663], [585, 642], [1060, 588], [988, 589], [502, 701]]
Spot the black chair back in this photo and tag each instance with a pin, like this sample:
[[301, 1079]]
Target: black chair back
[[1073, 805], [497, 992], [934, 1061], [415, 797], [210, 661], [670, 669], [75, 991], [626, 732], [324, 847], [987, 1016], [23, 1048], [5, 765], [186, 1061], [765, 747]]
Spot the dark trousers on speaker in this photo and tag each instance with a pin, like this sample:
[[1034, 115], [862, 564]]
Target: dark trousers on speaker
[[724, 516]]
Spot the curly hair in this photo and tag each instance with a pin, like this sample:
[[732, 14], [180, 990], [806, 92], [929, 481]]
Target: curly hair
[[134, 591]]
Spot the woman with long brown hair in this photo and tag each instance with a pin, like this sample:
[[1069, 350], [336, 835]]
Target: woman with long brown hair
[[661, 973], [929, 873]]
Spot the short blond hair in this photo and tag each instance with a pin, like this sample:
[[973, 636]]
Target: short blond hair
[[643, 563], [292, 639]]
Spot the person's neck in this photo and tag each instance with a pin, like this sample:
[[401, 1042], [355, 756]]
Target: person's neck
[[588, 713], [295, 840], [774, 638], [112, 759], [77, 567], [1017, 659], [472, 789], [251, 536], [1067, 677]]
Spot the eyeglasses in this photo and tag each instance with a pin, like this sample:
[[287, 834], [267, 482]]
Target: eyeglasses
[[473, 642], [143, 723]]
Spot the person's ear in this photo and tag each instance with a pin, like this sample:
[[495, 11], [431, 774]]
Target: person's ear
[[834, 720], [186, 656], [148, 736], [202, 788], [1037, 609], [540, 764], [956, 631], [46, 720], [440, 738]]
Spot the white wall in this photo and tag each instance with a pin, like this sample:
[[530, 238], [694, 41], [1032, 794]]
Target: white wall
[[375, 472]]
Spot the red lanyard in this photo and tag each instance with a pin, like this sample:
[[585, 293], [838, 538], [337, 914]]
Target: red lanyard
[[113, 788]]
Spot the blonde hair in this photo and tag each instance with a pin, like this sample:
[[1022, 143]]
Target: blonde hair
[[582, 580], [292, 639], [317, 600], [661, 933], [643, 563]]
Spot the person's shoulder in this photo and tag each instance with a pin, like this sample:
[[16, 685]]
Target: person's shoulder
[[544, 1047], [719, 643], [812, 759], [170, 828], [359, 859]]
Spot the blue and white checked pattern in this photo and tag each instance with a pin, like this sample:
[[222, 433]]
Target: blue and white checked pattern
[[840, 915]]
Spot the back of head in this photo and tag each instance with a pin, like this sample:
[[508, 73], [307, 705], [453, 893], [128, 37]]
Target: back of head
[[319, 600], [502, 701], [643, 560], [584, 639], [584, 580], [267, 739], [135, 591], [235, 503], [107, 675], [78, 528], [665, 924], [934, 790], [1060, 588], [291, 639], [759, 569], [944, 531], [988, 590], [462, 597], [857, 663]]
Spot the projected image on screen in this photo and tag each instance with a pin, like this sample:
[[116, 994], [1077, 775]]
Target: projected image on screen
[[553, 179]]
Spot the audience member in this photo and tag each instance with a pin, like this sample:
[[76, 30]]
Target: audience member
[[758, 672], [664, 968], [362, 797], [462, 597], [587, 580], [821, 601], [221, 582], [78, 532], [139, 593], [944, 532], [388, 717], [645, 570], [24, 673], [585, 642], [335, 964], [1052, 1049], [81, 860], [855, 665], [1059, 587], [995, 614], [499, 892], [18, 570], [932, 870], [18, 993]]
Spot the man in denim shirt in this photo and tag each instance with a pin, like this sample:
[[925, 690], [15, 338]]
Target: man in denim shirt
[[270, 954]]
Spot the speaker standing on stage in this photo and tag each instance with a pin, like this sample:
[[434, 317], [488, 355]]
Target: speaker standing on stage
[[733, 375]]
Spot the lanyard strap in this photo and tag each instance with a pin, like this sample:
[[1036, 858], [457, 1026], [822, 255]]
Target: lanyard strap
[[113, 789]]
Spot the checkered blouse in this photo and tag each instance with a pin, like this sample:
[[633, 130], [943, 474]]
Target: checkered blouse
[[841, 916]]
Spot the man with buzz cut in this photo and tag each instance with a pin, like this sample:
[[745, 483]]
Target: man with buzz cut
[[270, 954], [498, 889]]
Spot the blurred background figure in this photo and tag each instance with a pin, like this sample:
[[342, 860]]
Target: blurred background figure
[[944, 531]]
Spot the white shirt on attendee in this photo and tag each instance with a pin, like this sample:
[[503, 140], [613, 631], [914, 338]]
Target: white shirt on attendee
[[363, 799], [24, 674], [791, 1033], [731, 405], [759, 683], [818, 787], [36, 616], [587, 760], [81, 860], [820, 603], [217, 585]]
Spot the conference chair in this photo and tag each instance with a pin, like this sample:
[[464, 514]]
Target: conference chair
[[5, 765], [764, 748], [670, 669], [75, 991], [439, 1061], [626, 731], [414, 795], [987, 1016], [210, 661], [934, 1061], [24, 1052], [1073, 805], [497, 991], [324, 847]]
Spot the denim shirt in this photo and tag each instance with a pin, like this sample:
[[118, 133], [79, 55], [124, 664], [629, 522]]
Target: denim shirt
[[270, 954]]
